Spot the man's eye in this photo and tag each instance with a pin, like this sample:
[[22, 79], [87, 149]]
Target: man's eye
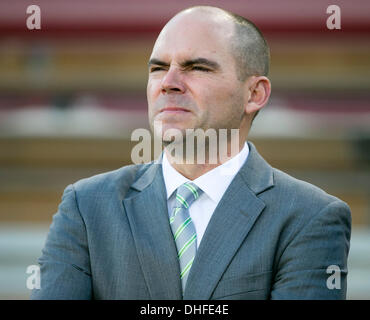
[[153, 69]]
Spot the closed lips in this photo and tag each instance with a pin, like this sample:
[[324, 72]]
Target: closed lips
[[174, 109]]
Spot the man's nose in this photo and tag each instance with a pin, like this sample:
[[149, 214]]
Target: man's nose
[[172, 82]]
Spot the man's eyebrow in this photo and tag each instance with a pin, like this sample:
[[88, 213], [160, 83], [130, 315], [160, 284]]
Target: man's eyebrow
[[202, 61], [157, 62]]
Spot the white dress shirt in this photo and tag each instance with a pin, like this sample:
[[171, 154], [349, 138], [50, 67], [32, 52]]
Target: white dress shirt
[[213, 184]]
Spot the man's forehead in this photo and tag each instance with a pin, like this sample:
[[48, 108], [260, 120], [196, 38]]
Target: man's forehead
[[183, 53], [192, 37]]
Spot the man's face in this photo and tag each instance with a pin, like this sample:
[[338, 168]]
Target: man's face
[[192, 76]]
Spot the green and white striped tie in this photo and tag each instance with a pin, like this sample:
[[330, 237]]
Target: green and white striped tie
[[183, 228]]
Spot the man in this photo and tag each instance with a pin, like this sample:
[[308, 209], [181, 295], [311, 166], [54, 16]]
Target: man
[[174, 230]]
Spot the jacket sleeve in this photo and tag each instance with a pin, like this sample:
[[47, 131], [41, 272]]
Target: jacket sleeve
[[314, 263], [64, 263]]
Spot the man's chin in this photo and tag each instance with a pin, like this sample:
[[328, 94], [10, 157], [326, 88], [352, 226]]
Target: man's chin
[[173, 134]]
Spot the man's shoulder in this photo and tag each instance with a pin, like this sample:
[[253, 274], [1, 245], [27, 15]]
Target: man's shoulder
[[300, 191], [286, 188], [112, 181]]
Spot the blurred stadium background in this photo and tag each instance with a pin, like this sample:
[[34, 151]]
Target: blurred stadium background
[[72, 93]]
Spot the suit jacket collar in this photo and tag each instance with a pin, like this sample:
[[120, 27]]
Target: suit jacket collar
[[150, 171], [256, 172], [229, 226]]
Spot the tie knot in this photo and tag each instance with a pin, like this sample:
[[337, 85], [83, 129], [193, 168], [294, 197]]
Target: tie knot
[[186, 194]]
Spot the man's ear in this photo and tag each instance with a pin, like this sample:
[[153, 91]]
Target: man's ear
[[259, 90]]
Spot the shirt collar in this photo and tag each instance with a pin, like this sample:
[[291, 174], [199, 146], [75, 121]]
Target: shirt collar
[[214, 183]]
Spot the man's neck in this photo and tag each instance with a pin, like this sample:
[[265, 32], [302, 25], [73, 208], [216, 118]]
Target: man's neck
[[195, 170]]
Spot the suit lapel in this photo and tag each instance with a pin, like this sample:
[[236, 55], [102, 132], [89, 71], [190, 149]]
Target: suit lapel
[[230, 224], [148, 217]]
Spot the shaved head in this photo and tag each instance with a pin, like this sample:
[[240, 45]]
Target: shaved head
[[247, 44]]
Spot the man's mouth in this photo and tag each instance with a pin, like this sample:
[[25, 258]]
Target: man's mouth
[[173, 110]]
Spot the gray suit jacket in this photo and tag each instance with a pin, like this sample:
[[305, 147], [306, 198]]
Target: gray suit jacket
[[271, 237]]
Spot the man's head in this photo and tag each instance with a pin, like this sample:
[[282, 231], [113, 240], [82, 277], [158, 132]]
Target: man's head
[[208, 70]]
